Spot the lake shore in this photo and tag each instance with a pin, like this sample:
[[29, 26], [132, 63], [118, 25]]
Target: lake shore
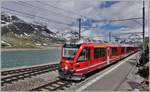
[[26, 49]]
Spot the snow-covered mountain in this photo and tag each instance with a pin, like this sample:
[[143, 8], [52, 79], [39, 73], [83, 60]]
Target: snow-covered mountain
[[68, 34], [16, 31], [13, 29]]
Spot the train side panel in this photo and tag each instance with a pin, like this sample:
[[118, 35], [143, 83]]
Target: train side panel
[[99, 58], [90, 57]]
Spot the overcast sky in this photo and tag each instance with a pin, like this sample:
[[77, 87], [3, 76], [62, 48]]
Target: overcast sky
[[62, 15]]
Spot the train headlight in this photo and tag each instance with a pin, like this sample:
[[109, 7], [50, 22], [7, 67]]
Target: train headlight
[[66, 67]]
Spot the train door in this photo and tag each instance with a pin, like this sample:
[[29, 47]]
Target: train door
[[122, 51], [125, 51], [82, 62], [114, 52], [99, 57], [108, 55]]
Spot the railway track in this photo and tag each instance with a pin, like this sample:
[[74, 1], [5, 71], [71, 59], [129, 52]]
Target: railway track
[[57, 85], [8, 72], [10, 76], [61, 85]]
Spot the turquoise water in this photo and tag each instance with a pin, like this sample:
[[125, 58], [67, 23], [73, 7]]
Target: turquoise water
[[11, 59]]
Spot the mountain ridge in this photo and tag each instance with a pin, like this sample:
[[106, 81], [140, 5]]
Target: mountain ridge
[[19, 33]]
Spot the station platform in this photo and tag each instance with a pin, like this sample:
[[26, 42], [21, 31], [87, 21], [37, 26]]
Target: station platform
[[118, 77]]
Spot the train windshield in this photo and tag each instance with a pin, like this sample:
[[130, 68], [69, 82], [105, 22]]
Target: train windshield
[[69, 53]]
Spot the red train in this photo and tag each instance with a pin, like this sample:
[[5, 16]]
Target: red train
[[80, 59]]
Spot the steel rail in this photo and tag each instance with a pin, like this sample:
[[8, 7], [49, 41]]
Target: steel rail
[[8, 72], [27, 73], [54, 86]]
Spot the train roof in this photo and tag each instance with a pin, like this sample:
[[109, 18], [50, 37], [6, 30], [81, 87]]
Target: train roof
[[107, 45], [101, 43], [97, 45]]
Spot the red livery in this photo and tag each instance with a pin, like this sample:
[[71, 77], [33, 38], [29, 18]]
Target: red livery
[[80, 59]]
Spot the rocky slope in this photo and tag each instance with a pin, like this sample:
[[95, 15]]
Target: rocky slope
[[18, 33]]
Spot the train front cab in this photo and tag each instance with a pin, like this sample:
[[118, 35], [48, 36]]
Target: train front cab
[[88, 58], [82, 62], [74, 62]]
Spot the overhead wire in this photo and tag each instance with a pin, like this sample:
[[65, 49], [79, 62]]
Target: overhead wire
[[59, 8], [33, 6], [46, 19], [27, 4], [19, 14], [31, 17], [67, 11], [58, 22], [128, 33], [114, 20]]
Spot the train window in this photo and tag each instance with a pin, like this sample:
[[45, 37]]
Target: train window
[[122, 50], [84, 55], [69, 53], [129, 49], [114, 51], [99, 52]]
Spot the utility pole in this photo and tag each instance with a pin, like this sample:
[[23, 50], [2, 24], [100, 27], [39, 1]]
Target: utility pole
[[143, 32], [109, 36], [79, 28]]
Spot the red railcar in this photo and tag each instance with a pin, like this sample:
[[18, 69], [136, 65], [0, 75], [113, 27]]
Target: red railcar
[[80, 59]]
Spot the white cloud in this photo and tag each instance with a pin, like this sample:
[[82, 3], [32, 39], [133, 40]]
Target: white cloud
[[90, 8]]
